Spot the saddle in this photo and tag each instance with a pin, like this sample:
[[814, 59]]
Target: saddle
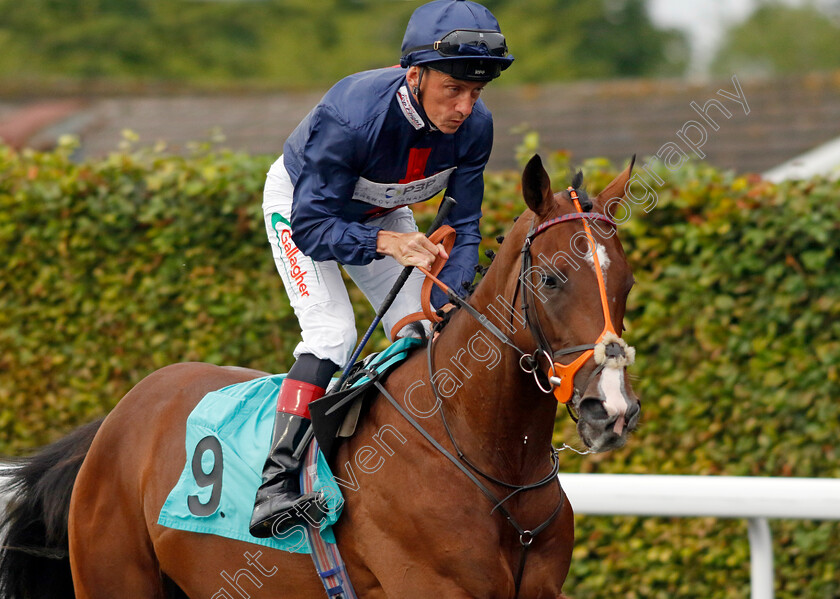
[[336, 414]]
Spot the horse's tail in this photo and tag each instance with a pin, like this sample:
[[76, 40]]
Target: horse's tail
[[34, 555]]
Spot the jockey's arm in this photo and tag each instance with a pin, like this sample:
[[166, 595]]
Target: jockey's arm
[[330, 173], [331, 161]]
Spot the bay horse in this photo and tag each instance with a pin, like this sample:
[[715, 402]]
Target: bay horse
[[83, 522]]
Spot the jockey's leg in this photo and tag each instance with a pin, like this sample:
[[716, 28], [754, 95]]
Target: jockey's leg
[[279, 503], [319, 298], [377, 278], [316, 290]]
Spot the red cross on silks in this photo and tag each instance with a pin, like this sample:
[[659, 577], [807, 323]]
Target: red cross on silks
[[417, 158]]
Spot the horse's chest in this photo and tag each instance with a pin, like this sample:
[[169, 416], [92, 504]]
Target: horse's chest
[[457, 548]]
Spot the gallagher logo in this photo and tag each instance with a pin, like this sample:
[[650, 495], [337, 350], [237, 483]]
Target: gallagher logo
[[290, 252]]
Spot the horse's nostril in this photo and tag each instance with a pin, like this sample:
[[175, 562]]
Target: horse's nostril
[[592, 409], [632, 410]]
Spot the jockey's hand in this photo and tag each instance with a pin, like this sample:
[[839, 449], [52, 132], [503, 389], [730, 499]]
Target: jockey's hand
[[409, 249]]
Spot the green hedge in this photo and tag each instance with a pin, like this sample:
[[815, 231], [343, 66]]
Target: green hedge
[[117, 267]]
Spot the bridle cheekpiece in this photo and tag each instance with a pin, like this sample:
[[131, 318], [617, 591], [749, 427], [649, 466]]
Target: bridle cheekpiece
[[609, 349]]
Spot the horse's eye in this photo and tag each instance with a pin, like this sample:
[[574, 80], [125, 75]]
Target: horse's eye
[[550, 282]]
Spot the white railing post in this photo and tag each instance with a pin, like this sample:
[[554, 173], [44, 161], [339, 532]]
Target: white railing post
[[761, 558]]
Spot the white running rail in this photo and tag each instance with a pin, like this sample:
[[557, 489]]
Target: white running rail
[[754, 498]]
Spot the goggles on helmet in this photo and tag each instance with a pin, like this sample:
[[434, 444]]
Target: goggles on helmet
[[476, 69], [467, 43]]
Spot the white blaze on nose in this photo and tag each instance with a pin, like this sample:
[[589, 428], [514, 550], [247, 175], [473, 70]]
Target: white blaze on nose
[[611, 386]]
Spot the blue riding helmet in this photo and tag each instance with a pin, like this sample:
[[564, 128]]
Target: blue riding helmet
[[458, 37]]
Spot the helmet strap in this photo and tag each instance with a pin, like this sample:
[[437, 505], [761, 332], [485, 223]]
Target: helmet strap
[[416, 89], [419, 93]]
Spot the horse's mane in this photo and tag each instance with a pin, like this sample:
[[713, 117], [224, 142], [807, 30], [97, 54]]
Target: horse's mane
[[420, 331]]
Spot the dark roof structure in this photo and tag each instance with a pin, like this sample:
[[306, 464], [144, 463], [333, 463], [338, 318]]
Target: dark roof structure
[[749, 125]]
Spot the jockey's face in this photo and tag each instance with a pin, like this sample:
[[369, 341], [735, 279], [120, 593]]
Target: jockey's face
[[447, 101]]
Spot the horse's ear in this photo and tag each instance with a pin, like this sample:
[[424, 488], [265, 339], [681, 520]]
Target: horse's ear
[[615, 191], [536, 187]]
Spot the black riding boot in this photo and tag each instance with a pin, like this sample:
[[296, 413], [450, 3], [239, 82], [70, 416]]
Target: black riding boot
[[279, 497]]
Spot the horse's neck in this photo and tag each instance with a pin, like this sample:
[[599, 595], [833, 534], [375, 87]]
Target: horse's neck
[[499, 418]]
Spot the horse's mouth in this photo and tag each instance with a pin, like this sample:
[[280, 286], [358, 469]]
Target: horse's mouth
[[600, 432], [601, 442]]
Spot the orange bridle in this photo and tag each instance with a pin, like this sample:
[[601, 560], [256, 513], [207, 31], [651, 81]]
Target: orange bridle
[[560, 377]]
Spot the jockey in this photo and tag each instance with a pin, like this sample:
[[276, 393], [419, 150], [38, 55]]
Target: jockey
[[378, 141]]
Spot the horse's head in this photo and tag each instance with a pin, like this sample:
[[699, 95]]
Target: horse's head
[[572, 286]]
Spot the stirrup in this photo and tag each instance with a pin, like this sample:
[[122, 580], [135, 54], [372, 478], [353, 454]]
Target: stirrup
[[309, 510]]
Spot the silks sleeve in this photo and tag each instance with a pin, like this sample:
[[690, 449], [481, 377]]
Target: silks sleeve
[[328, 174]]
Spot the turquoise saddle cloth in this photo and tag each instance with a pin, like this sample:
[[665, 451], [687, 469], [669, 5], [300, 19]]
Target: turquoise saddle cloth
[[228, 436]]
